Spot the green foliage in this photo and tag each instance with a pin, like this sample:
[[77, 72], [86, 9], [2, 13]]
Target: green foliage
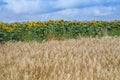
[[39, 31]]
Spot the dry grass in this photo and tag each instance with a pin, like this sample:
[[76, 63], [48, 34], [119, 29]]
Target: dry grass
[[80, 59]]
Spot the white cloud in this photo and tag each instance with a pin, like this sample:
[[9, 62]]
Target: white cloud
[[76, 3], [25, 6], [103, 11], [41, 6], [23, 9], [65, 3]]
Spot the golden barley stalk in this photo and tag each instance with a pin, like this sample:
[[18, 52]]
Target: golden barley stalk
[[75, 59]]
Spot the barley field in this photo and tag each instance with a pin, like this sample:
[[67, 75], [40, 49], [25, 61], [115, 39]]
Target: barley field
[[71, 59]]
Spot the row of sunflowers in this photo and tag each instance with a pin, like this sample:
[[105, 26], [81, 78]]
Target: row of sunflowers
[[57, 29]]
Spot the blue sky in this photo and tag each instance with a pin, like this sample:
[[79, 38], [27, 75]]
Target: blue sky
[[24, 10]]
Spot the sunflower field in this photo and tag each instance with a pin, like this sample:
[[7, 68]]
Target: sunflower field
[[57, 29]]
